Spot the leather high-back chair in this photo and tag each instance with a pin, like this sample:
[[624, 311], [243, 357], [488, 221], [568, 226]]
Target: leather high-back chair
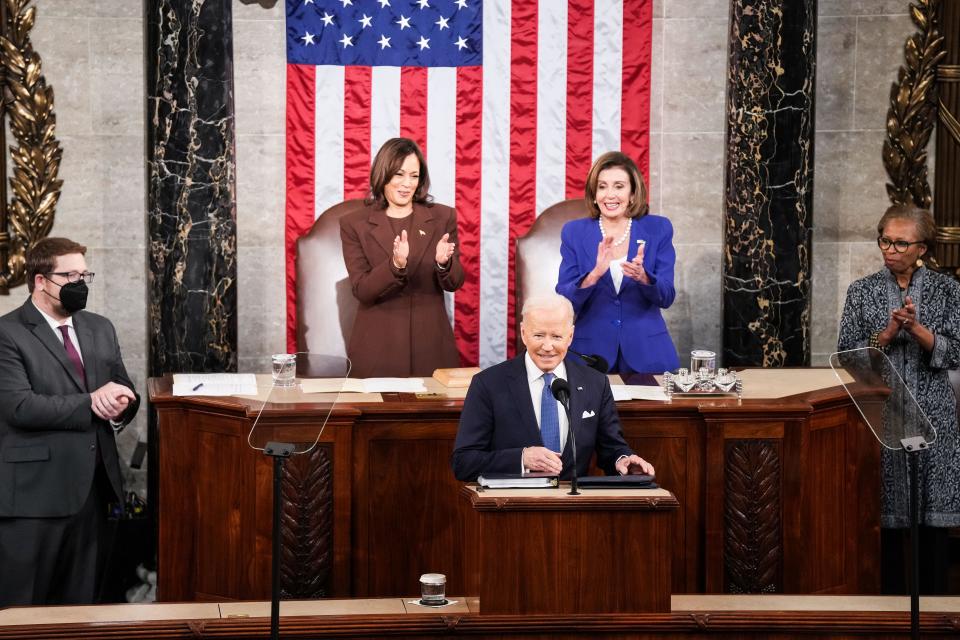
[[538, 254], [326, 306]]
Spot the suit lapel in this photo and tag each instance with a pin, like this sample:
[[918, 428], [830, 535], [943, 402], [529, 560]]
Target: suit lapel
[[576, 405], [381, 230], [520, 390], [39, 327], [421, 235]]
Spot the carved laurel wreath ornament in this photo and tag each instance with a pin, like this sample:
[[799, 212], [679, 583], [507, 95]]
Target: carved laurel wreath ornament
[[26, 102], [913, 110]]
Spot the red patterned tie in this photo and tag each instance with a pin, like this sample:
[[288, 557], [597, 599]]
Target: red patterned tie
[[72, 352]]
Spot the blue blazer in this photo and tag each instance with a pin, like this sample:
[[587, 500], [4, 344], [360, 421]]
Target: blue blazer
[[630, 321], [498, 421]]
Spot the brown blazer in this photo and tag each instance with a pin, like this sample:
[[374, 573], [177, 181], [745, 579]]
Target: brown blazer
[[401, 327]]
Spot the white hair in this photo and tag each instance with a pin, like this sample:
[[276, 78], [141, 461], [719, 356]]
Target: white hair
[[547, 302]]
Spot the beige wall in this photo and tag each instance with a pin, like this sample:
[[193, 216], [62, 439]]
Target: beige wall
[[93, 55]]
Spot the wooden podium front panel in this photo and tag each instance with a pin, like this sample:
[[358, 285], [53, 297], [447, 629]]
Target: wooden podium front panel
[[408, 520], [546, 552]]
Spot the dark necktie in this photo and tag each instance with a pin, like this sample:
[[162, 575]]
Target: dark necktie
[[72, 352], [549, 418]]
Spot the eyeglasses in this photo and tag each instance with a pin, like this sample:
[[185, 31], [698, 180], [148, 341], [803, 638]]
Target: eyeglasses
[[900, 246], [74, 276]]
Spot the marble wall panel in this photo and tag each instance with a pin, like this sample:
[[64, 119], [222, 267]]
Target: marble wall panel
[[656, 161], [694, 317], [694, 68], [862, 7], [849, 197], [691, 181], [63, 45], [831, 268], [260, 191], [656, 76], [696, 8], [116, 76], [262, 299], [260, 75], [836, 72], [880, 42], [91, 8]]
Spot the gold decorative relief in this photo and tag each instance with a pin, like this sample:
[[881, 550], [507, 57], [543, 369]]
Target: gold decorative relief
[[913, 110], [26, 106]]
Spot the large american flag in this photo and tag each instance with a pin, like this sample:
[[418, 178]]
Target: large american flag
[[511, 100]]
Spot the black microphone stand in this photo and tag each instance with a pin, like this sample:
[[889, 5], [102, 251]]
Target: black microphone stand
[[561, 392], [912, 447], [279, 451]]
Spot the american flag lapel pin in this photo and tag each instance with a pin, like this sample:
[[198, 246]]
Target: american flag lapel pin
[[422, 232], [579, 388]]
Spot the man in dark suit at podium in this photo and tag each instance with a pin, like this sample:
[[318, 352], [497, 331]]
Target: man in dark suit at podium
[[511, 422], [63, 393]]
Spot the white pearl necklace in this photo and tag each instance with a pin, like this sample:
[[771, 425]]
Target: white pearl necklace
[[626, 232]]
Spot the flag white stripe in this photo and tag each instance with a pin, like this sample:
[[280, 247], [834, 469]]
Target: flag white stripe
[[495, 181], [607, 74], [551, 103], [384, 106], [442, 142], [328, 139]]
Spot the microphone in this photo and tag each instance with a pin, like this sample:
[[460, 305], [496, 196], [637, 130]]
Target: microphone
[[560, 389], [593, 361]]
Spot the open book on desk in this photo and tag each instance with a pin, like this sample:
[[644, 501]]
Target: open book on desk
[[518, 480], [362, 385]]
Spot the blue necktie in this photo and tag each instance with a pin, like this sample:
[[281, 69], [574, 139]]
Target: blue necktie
[[549, 420]]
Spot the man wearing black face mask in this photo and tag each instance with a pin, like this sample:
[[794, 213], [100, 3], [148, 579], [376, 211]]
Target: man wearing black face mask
[[63, 393]]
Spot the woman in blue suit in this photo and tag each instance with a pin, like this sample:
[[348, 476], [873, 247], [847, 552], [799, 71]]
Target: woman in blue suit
[[617, 270]]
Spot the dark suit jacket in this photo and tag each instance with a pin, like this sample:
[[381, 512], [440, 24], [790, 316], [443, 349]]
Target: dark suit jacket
[[48, 431], [629, 321], [401, 328], [498, 421]]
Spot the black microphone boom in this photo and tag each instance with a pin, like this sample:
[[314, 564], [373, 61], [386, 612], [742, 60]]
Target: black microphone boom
[[560, 389], [594, 361]]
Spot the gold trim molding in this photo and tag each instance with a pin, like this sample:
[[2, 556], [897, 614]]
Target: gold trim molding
[[913, 110], [26, 104]]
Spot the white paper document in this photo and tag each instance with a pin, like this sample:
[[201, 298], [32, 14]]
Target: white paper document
[[363, 385], [637, 392], [214, 384]]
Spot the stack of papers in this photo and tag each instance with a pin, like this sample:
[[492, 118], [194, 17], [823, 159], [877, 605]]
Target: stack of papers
[[518, 481], [637, 392], [363, 385], [214, 384]]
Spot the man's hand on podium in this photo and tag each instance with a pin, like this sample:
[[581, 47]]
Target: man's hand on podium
[[634, 465], [541, 459]]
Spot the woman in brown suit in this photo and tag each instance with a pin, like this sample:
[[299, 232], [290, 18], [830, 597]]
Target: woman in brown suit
[[400, 252]]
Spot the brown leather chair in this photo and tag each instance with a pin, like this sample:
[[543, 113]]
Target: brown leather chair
[[326, 306], [538, 254]]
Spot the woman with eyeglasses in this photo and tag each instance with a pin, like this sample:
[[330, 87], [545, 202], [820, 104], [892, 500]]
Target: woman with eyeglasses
[[913, 314]]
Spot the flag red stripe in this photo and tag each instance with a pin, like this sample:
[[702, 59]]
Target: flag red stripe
[[413, 106], [579, 94], [301, 89], [467, 183], [635, 107], [356, 131], [523, 141]]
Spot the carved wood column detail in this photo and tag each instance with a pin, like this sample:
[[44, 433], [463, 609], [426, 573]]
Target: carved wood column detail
[[752, 547], [307, 525]]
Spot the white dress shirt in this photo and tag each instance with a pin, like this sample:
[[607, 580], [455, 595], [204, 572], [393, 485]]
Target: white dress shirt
[[535, 380], [55, 325], [616, 273]]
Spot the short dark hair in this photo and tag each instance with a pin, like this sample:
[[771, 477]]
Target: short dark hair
[[922, 220], [42, 256], [387, 162], [611, 160]]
